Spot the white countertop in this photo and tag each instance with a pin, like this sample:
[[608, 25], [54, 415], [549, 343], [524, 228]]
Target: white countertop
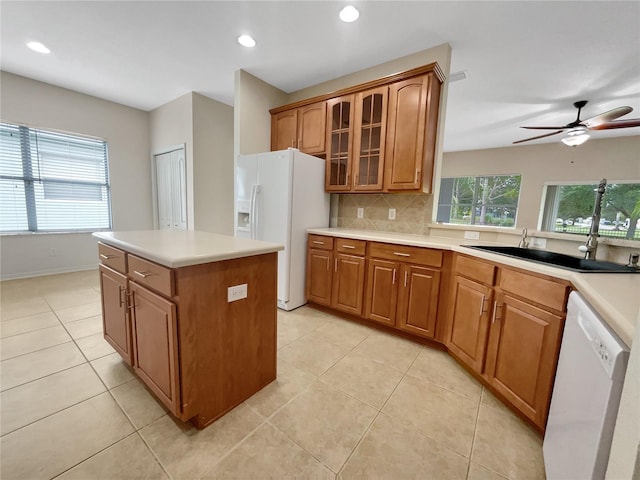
[[615, 296], [181, 248]]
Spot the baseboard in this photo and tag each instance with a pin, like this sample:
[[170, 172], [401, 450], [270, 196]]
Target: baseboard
[[42, 273]]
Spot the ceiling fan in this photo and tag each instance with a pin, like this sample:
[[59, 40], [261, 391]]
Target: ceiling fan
[[578, 129]]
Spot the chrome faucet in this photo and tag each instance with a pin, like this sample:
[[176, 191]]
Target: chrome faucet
[[523, 240], [590, 247]]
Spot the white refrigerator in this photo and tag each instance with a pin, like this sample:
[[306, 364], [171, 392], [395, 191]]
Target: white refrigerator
[[277, 197]]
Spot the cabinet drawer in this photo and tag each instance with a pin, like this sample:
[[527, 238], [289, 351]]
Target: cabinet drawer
[[474, 269], [353, 247], [540, 290], [416, 255], [320, 242], [151, 275], [112, 257]]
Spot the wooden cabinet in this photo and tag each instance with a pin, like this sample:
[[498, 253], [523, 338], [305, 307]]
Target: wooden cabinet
[[506, 325], [404, 293], [200, 354], [411, 125], [155, 345], [348, 283], [380, 136], [340, 114], [115, 314], [303, 128], [319, 276], [369, 137]]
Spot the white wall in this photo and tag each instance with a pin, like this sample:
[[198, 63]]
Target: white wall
[[213, 165], [126, 131]]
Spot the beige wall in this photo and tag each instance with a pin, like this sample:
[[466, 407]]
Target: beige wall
[[252, 121], [126, 131], [213, 165]]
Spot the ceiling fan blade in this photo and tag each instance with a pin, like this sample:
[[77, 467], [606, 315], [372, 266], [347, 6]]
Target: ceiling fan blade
[[606, 116], [632, 122], [539, 136], [547, 128]]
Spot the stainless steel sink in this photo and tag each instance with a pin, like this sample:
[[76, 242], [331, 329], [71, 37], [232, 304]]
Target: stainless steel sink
[[559, 260]]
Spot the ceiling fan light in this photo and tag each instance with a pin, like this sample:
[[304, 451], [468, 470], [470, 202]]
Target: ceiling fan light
[[576, 136]]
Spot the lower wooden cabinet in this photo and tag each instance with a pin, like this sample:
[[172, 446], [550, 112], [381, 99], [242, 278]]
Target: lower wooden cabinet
[[418, 300], [319, 276], [116, 323], [155, 345], [348, 283], [522, 353], [382, 294]]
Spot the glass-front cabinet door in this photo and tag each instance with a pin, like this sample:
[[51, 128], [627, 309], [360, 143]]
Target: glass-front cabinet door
[[369, 139], [339, 121]]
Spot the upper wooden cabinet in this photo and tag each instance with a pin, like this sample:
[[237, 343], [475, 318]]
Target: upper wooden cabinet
[[379, 136], [303, 128]]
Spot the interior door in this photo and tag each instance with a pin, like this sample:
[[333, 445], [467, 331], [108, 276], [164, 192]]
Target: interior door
[[170, 185]]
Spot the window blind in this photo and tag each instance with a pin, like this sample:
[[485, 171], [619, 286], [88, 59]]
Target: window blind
[[52, 181]]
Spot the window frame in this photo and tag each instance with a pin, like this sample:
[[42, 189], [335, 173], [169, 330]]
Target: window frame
[[33, 177]]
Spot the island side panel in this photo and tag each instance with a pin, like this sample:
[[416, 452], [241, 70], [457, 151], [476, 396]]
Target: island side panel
[[227, 349]]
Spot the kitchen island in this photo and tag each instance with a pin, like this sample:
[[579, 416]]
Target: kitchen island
[[194, 315]]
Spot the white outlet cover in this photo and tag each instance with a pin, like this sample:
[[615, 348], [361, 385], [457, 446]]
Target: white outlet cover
[[471, 235], [237, 292], [360, 213], [392, 214]]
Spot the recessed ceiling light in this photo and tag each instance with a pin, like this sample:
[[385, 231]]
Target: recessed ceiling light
[[38, 47], [246, 41], [349, 14]]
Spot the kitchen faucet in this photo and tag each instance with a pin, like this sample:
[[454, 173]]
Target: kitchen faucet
[[590, 247], [523, 240]]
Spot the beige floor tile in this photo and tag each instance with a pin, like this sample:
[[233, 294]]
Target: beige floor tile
[[392, 451], [187, 453], [297, 323], [72, 298], [478, 472], [395, 352], [50, 446], [94, 346], [363, 378], [490, 400], [343, 333], [32, 341], [128, 459], [71, 314], [445, 416], [10, 309], [312, 354], [438, 367], [32, 366], [506, 445], [138, 404], [35, 400], [112, 370], [85, 327], [28, 324], [290, 382], [267, 453], [325, 422]]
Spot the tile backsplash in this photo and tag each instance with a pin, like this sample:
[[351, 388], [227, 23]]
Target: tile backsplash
[[413, 212]]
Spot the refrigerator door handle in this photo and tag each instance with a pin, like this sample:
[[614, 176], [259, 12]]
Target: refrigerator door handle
[[253, 211]]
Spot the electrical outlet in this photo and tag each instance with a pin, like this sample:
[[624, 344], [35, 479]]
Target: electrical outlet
[[360, 213], [392, 214], [471, 235], [538, 242], [237, 292]]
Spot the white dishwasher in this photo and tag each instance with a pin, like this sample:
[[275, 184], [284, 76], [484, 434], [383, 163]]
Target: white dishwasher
[[586, 396]]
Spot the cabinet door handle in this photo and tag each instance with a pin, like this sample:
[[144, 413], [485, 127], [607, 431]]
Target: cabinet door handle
[[130, 303], [482, 305], [499, 307], [405, 278], [348, 246], [142, 274], [335, 264], [121, 289], [106, 257], [327, 264], [493, 317], [393, 280], [417, 175], [318, 242], [401, 254]]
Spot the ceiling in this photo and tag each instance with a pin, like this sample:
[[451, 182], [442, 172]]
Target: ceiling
[[527, 61]]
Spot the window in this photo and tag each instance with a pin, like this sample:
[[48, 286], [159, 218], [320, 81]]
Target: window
[[51, 182], [490, 200], [569, 209]]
